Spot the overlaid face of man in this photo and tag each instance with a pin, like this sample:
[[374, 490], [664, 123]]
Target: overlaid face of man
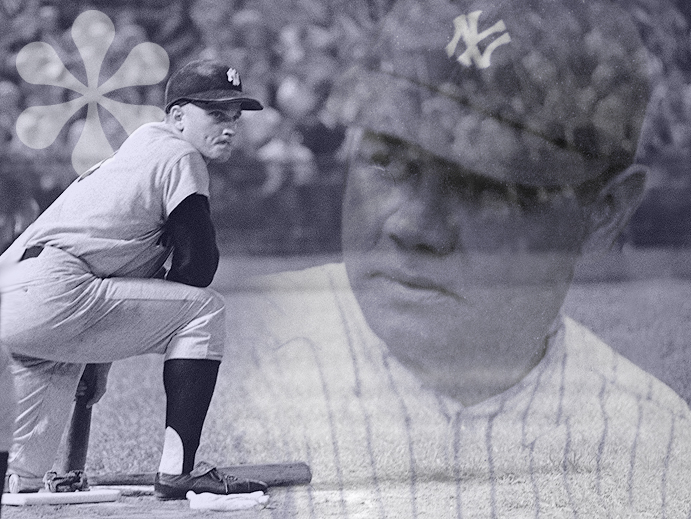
[[454, 270], [462, 227], [210, 128]]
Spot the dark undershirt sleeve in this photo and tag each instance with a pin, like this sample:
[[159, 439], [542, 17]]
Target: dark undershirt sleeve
[[191, 233]]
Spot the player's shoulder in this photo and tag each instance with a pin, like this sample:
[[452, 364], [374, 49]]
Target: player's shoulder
[[158, 141], [590, 361]]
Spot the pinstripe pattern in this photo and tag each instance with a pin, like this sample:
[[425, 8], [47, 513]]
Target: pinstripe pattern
[[585, 434]]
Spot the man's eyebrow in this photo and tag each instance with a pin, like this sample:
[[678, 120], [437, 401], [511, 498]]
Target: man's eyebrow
[[231, 115]]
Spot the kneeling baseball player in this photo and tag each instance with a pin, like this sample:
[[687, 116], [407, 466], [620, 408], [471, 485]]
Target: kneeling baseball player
[[82, 284]]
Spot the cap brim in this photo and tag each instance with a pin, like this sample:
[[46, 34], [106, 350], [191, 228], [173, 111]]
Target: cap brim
[[246, 103], [222, 96]]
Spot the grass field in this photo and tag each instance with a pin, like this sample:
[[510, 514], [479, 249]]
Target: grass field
[[645, 314], [647, 320]]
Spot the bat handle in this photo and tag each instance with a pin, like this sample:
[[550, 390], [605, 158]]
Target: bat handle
[[77, 442]]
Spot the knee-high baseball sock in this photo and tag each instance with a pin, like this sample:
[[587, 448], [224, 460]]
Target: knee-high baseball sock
[[189, 385]]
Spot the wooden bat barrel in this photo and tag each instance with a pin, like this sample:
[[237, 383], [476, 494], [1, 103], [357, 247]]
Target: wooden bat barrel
[[77, 443], [274, 475]]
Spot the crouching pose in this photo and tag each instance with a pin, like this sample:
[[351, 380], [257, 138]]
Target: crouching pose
[[84, 283]]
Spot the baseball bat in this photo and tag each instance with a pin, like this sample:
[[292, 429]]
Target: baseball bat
[[77, 442], [274, 475]]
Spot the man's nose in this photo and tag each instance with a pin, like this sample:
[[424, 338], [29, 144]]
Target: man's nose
[[230, 127], [423, 221]]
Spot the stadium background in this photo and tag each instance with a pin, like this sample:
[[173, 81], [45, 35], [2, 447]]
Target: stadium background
[[281, 192], [280, 196]]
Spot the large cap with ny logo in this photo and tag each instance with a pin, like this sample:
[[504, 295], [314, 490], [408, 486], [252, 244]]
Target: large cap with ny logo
[[539, 92]]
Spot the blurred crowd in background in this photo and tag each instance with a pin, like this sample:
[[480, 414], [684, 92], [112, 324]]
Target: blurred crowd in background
[[281, 192]]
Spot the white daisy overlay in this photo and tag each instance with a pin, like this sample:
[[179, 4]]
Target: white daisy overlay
[[38, 63]]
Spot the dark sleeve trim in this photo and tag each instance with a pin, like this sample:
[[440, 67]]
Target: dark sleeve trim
[[190, 231]]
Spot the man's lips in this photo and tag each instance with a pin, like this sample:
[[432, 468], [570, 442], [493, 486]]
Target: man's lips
[[421, 285]]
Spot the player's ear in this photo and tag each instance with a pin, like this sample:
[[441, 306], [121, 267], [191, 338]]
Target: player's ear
[[176, 116], [614, 206]]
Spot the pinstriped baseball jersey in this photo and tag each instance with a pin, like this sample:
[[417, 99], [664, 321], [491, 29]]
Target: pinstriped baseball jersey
[[585, 434]]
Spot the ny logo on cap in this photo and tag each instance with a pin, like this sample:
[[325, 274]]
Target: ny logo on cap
[[233, 76], [466, 28]]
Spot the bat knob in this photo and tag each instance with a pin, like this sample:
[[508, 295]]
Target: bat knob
[[16, 484], [13, 484]]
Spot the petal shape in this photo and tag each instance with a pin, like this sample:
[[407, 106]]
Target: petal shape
[[130, 116], [93, 145], [146, 64], [93, 32], [38, 126], [39, 64]]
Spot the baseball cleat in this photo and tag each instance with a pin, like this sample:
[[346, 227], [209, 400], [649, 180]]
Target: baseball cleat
[[204, 478], [72, 481]]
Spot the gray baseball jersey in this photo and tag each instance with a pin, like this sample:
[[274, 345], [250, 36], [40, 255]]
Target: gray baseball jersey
[[101, 238], [586, 433], [88, 295], [113, 218]]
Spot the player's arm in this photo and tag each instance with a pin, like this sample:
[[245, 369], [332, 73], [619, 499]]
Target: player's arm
[[191, 233]]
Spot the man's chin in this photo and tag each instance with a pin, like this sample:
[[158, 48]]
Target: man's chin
[[418, 325], [220, 159]]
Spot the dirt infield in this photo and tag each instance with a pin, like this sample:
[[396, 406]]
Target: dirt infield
[[127, 507]]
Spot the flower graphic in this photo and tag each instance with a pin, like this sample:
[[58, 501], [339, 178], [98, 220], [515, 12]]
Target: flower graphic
[[38, 63]]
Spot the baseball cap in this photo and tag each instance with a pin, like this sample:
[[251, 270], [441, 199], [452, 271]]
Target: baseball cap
[[537, 92], [208, 81]]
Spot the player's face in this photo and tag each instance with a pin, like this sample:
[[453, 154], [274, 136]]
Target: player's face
[[443, 261], [211, 129]]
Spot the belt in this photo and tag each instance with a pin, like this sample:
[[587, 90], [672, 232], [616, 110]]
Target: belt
[[31, 252]]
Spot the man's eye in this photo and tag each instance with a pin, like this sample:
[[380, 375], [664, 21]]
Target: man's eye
[[381, 159], [478, 190], [397, 171], [534, 198]]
